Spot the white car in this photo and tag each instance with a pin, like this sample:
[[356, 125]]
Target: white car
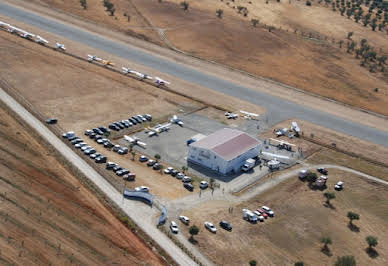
[[268, 211], [184, 219], [186, 179], [180, 176], [339, 185], [168, 170], [259, 216], [203, 184], [210, 227], [142, 189], [174, 227]]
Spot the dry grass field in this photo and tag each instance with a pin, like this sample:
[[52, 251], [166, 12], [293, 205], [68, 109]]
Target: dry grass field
[[301, 219], [314, 66], [48, 217]]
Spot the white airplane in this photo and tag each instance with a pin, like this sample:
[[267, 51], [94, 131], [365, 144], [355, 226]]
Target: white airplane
[[282, 142], [126, 70], [295, 127], [249, 115], [176, 120], [41, 40], [92, 58], [160, 81], [157, 129], [141, 75], [135, 141], [281, 132], [60, 46], [230, 115], [3, 24]]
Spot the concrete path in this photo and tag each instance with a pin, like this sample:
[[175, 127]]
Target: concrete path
[[140, 213]]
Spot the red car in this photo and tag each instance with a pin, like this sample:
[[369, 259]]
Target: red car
[[263, 213]]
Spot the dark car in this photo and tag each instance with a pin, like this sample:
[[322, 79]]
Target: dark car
[[151, 163], [125, 124], [114, 127], [101, 159], [92, 135], [188, 186], [95, 155], [156, 166], [103, 129], [133, 121], [117, 168], [51, 121], [148, 117], [88, 132], [72, 138], [174, 172], [120, 125], [98, 131], [122, 172], [322, 170], [226, 225], [90, 151], [97, 137], [143, 159], [108, 144]]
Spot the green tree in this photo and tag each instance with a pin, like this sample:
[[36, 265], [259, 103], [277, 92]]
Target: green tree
[[326, 241], [254, 22], [157, 157], [372, 242], [184, 169], [185, 5], [299, 263], [219, 13], [252, 263], [382, 59], [161, 169], [345, 261], [329, 196], [311, 177], [194, 230], [353, 216], [340, 43], [84, 4], [308, 3]]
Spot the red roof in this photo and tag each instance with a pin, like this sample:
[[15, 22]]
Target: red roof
[[227, 143]]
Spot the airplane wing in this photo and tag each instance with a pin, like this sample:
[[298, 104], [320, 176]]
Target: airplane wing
[[128, 138], [244, 112], [141, 143]]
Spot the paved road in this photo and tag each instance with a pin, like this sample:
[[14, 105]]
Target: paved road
[[278, 109], [140, 213]]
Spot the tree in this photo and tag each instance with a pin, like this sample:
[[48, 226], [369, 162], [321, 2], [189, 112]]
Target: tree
[[254, 22], [326, 241], [350, 34], [240, 9], [329, 196], [84, 4], [345, 261], [185, 5], [157, 157], [311, 177], [252, 263], [353, 216], [308, 3], [194, 230], [219, 13], [372, 242], [161, 169], [112, 11], [184, 169], [299, 263]]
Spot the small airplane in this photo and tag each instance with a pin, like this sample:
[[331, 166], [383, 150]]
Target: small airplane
[[60, 46], [107, 63], [176, 120], [135, 141], [161, 82], [92, 58], [249, 115], [41, 40], [126, 70], [295, 127], [230, 115], [158, 129], [141, 75], [281, 132]]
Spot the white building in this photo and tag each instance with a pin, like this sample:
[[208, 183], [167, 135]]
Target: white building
[[224, 151]]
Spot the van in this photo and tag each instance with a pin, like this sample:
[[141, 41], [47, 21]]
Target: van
[[249, 216]]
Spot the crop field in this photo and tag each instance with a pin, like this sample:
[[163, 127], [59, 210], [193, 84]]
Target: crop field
[[301, 219], [49, 217], [313, 64]]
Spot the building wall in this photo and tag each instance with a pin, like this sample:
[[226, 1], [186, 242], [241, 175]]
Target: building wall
[[211, 160]]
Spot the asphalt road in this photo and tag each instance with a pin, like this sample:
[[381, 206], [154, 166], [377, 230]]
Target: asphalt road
[[140, 213], [278, 109]]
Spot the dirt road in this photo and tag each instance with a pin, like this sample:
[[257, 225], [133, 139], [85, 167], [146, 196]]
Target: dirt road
[[138, 212]]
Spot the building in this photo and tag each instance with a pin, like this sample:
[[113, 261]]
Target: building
[[224, 151]]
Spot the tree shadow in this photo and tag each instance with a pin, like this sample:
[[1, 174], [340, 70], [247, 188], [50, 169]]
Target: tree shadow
[[326, 251], [353, 228], [329, 205], [372, 252], [193, 241]]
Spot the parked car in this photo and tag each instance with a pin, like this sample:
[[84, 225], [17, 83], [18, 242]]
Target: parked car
[[80, 145], [174, 172], [226, 225], [108, 144], [90, 151], [188, 186], [114, 127], [148, 117], [123, 150], [168, 170], [68, 134], [51, 121], [209, 226], [110, 165], [259, 216], [116, 148], [186, 179], [180, 175], [174, 227], [268, 211], [184, 219], [157, 166], [263, 213], [117, 168], [151, 162], [72, 138], [100, 141], [85, 147], [101, 159], [76, 141], [322, 170], [88, 132], [203, 184], [339, 185], [129, 177], [142, 189], [94, 155], [143, 158], [92, 135]]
